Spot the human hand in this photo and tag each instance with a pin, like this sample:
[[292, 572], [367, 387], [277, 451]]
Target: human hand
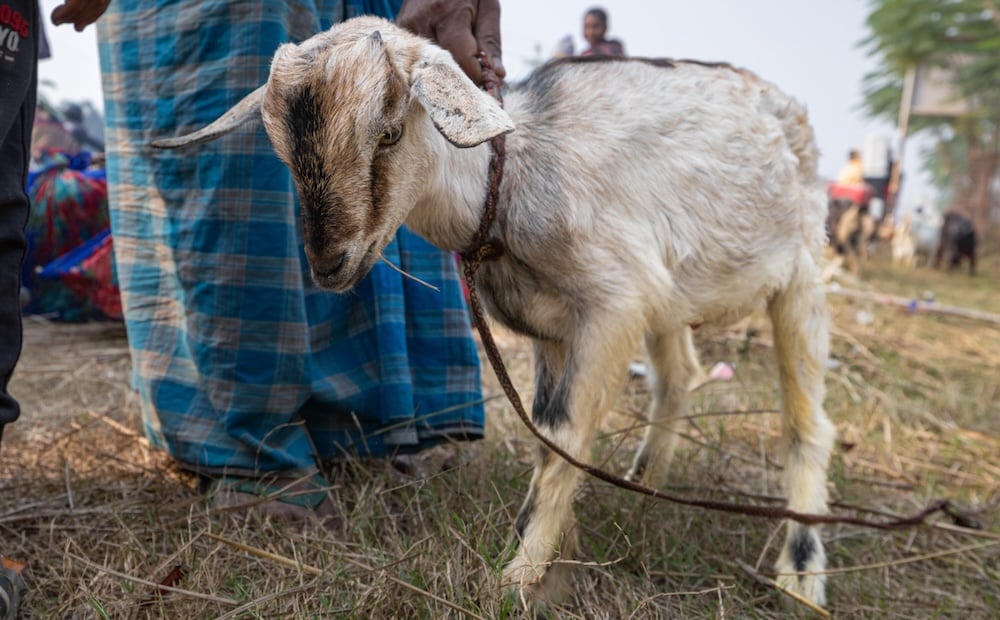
[[463, 27], [80, 13]]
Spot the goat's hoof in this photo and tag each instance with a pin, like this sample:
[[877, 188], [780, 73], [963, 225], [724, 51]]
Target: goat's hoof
[[534, 583], [637, 472], [524, 579], [801, 563], [651, 475], [634, 476], [811, 587]]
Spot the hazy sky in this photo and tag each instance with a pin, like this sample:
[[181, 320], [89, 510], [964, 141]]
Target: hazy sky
[[806, 47]]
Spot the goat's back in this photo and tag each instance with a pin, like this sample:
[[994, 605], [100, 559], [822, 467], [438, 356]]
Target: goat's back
[[710, 163]]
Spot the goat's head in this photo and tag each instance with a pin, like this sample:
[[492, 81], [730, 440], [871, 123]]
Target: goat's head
[[351, 111]]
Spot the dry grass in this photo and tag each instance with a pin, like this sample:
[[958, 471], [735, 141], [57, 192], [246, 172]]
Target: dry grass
[[102, 519]]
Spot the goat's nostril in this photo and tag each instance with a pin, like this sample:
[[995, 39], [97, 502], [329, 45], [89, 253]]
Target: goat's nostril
[[330, 264]]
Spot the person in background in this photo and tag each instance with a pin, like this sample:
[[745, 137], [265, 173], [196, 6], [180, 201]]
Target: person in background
[[23, 44], [852, 174], [564, 48], [595, 30], [74, 124], [851, 186], [247, 372]]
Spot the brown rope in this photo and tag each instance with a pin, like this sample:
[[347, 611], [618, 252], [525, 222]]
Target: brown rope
[[484, 249]]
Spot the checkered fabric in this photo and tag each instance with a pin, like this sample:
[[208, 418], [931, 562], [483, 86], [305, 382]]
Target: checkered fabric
[[241, 362]]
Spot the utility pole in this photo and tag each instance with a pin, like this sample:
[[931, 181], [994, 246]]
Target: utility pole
[[903, 125]]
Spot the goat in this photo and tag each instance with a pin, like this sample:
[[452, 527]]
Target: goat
[[904, 246], [639, 197], [957, 242], [849, 226]]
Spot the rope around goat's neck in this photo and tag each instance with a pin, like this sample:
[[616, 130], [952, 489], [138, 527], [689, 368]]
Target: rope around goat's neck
[[485, 249]]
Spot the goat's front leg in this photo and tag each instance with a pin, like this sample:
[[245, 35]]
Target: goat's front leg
[[573, 387], [801, 341], [676, 371]]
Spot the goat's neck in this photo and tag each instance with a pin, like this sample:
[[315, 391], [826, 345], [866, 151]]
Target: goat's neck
[[449, 212]]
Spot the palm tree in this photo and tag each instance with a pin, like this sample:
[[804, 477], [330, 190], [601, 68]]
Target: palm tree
[[961, 37]]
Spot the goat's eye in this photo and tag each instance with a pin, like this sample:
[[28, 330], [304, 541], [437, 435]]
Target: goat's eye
[[390, 136]]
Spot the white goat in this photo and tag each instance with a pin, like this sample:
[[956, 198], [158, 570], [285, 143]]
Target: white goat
[[904, 247], [638, 198]]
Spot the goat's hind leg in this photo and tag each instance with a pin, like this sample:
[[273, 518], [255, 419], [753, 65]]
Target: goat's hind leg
[[677, 370], [801, 341]]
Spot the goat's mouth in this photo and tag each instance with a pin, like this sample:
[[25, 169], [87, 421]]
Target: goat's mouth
[[342, 273]]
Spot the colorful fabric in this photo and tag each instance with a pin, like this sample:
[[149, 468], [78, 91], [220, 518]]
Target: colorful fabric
[[89, 273], [241, 362], [69, 206]]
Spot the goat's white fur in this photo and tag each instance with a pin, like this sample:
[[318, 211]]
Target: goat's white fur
[[904, 246], [637, 200]]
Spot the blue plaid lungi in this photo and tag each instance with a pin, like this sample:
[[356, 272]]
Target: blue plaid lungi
[[242, 364]]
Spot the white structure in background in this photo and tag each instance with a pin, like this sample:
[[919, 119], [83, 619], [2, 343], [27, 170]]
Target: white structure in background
[[876, 158]]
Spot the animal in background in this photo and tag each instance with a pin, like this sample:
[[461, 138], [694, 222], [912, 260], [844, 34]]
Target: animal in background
[[904, 247], [849, 227], [957, 243]]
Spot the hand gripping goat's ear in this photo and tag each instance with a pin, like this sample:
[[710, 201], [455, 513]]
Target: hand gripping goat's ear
[[464, 114], [246, 111]]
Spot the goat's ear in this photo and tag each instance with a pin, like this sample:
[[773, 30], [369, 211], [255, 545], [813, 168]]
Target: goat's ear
[[464, 114], [246, 111]]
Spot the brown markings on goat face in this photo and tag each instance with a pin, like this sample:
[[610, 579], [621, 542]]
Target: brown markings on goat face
[[326, 126], [393, 104]]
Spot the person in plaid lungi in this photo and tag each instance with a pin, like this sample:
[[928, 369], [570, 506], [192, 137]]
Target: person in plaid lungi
[[246, 369]]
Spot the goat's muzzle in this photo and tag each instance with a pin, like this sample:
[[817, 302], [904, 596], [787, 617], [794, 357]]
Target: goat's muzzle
[[339, 271], [328, 265]]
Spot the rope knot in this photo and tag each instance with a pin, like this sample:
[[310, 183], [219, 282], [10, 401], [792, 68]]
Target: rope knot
[[483, 252], [484, 248]]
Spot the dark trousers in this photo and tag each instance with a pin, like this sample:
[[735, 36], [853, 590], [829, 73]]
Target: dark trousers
[[19, 30]]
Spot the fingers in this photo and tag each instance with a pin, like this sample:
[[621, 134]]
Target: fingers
[[463, 27], [487, 31], [415, 16], [454, 32], [80, 13]]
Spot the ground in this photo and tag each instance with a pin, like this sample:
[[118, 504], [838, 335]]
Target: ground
[[111, 528]]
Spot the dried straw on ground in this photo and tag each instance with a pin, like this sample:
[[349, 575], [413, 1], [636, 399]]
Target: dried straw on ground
[[111, 528]]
